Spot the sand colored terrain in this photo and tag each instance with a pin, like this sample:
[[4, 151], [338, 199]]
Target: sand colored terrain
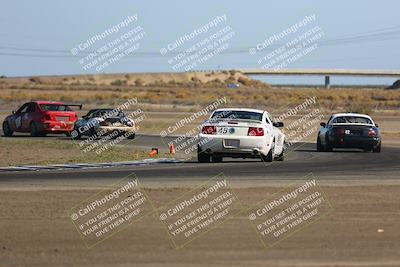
[[362, 230], [192, 90]]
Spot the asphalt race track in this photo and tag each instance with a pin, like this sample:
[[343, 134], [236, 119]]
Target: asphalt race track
[[342, 165]]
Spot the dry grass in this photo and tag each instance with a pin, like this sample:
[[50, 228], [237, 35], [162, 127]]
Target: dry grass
[[52, 151], [192, 89]]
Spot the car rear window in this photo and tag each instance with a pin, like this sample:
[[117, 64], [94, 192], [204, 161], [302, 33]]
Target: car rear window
[[352, 119], [54, 107], [237, 114]]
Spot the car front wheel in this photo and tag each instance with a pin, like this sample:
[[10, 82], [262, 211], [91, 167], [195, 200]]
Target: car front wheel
[[7, 129]]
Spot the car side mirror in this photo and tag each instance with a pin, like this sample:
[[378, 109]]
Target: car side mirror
[[278, 124], [376, 125], [13, 112], [84, 117], [323, 124]]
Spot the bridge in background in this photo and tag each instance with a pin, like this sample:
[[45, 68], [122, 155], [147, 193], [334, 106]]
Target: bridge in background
[[321, 72]]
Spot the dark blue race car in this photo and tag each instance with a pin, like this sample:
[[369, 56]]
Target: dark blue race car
[[349, 130]]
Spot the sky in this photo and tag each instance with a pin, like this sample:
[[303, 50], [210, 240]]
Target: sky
[[36, 37]]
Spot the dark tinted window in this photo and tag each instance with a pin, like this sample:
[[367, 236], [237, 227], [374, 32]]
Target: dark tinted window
[[352, 119], [238, 115], [90, 113], [24, 108], [31, 107]]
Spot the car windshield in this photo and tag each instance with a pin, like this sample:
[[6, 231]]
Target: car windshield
[[91, 112], [352, 119], [106, 113], [109, 113], [237, 114], [54, 107]]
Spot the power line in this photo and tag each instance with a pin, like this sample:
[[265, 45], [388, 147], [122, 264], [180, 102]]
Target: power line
[[362, 37]]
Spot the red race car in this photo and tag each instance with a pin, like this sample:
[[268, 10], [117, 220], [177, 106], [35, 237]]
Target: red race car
[[40, 118]]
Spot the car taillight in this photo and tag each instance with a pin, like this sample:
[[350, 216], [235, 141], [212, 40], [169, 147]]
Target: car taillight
[[255, 131], [371, 133], [340, 131], [209, 130]]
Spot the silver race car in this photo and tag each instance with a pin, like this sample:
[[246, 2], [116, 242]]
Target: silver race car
[[105, 121]]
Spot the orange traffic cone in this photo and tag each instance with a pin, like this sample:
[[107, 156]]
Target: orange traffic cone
[[154, 151], [171, 149]]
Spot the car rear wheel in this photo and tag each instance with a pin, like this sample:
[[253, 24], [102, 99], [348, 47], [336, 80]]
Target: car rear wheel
[[328, 147], [216, 159], [7, 129], [34, 130], [281, 156], [202, 157], [270, 156], [130, 135], [377, 149], [76, 134], [320, 148]]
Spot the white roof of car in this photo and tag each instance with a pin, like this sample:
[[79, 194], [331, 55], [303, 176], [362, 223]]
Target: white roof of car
[[351, 114], [241, 109]]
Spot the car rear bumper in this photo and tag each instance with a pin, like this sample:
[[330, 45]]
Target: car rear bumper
[[56, 127], [355, 142], [249, 146]]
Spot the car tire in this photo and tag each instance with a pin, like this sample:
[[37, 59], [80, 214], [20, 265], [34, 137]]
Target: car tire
[[328, 147], [377, 149], [281, 156], [216, 159], [93, 133], [7, 129], [270, 156], [76, 134], [320, 148], [33, 129], [131, 136], [202, 157]]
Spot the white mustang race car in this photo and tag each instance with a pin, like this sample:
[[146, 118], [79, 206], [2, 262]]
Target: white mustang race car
[[240, 133]]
